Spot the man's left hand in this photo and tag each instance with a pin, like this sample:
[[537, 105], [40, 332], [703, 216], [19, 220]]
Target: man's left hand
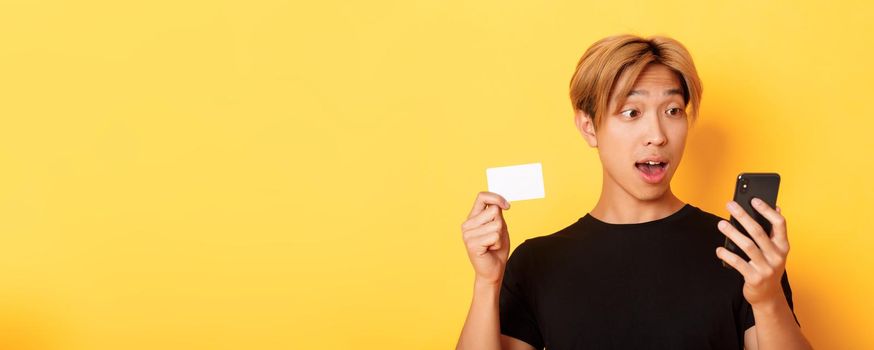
[[767, 260]]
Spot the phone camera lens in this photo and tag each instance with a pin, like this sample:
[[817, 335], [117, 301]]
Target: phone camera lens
[[744, 185]]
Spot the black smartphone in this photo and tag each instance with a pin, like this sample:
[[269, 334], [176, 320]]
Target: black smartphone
[[753, 185]]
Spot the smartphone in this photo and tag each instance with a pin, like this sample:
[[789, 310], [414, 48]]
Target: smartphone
[[753, 185]]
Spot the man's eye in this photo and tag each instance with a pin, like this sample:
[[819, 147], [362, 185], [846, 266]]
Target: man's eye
[[631, 113], [674, 111]]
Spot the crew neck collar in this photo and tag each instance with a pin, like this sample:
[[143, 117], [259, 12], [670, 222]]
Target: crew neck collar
[[685, 210]]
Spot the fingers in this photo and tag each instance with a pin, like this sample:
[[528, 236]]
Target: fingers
[[503, 235], [484, 238], [483, 217], [484, 229], [754, 229], [494, 226], [485, 198], [482, 244], [735, 261], [741, 241], [778, 224], [502, 241]]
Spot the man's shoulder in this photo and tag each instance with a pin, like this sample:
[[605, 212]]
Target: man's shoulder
[[538, 243], [533, 252], [706, 216]]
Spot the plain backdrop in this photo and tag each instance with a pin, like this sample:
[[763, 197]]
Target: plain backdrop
[[285, 175]]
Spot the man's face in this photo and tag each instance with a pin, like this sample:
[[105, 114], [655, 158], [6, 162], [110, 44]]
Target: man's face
[[649, 127]]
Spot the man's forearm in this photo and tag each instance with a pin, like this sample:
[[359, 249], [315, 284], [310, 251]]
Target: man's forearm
[[482, 329], [776, 327]]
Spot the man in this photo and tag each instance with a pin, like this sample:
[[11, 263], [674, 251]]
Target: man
[[642, 269]]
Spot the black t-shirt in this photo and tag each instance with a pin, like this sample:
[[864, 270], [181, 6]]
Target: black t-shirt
[[650, 285]]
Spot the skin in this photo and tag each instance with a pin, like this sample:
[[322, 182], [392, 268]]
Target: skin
[[651, 121]]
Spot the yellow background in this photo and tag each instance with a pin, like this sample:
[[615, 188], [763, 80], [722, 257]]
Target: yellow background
[[273, 175]]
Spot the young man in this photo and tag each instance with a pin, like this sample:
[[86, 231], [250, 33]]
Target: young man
[[642, 269]]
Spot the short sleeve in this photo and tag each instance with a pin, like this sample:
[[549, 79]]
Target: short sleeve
[[516, 314], [746, 313]]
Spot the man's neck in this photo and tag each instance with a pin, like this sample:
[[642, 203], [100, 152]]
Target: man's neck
[[616, 206]]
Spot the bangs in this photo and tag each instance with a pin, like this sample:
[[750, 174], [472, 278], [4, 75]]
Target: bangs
[[607, 71]]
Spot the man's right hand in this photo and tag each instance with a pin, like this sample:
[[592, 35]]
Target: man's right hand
[[486, 237]]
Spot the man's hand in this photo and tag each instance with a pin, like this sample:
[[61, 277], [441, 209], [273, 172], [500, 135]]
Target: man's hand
[[767, 261], [486, 237]]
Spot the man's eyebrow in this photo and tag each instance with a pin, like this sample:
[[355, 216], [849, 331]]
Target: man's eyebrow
[[674, 91]]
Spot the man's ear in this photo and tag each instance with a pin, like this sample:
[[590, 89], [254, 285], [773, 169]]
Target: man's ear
[[586, 127]]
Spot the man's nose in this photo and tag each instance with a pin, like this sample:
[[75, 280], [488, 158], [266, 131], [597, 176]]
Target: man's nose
[[654, 133]]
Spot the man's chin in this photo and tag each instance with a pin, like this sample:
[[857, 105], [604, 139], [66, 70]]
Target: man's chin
[[652, 193]]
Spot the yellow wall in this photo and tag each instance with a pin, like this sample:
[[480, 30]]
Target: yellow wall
[[264, 175]]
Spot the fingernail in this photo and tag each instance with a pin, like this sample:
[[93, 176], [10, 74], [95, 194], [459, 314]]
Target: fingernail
[[757, 201], [733, 206], [721, 224]]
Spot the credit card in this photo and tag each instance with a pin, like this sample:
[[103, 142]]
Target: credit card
[[517, 182]]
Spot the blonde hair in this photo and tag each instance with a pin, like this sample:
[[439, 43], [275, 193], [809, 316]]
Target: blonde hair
[[598, 72]]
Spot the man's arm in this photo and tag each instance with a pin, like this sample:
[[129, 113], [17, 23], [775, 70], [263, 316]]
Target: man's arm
[[482, 329], [775, 327], [488, 247]]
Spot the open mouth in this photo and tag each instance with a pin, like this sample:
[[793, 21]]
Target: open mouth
[[651, 167], [652, 171]]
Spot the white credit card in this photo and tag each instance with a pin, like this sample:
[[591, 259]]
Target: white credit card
[[517, 182]]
